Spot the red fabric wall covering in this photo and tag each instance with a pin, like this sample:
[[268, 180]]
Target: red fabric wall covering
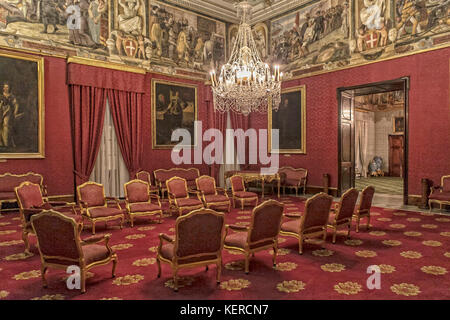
[[57, 167], [429, 116]]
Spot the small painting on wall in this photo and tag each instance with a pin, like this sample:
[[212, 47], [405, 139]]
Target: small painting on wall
[[399, 124]]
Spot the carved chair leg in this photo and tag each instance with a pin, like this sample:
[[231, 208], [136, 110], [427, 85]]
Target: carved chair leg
[[242, 204], [334, 234], [175, 280], [160, 216], [83, 280], [121, 222], [93, 227], [368, 222], [357, 224], [275, 252], [219, 271], [131, 221], [114, 266], [429, 204], [26, 241], [44, 280], [300, 245], [247, 261], [349, 226], [158, 262]]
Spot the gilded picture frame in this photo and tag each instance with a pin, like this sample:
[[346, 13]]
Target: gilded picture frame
[[22, 107], [174, 106], [290, 119], [398, 124]]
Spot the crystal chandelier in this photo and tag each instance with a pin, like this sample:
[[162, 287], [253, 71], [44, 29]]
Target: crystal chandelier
[[246, 84]]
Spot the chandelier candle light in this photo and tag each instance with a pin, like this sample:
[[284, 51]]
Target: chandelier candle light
[[246, 84]]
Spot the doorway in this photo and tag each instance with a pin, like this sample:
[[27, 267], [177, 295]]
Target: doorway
[[373, 137]]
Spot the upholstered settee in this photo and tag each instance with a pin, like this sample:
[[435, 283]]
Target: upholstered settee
[[293, 178], [162, 175], [9, 181]]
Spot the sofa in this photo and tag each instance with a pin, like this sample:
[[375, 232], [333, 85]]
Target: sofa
[[293, 178], [162, 175], [9, 181]]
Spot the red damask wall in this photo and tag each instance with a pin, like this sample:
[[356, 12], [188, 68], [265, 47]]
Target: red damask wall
[[429, 116], [429, 126]]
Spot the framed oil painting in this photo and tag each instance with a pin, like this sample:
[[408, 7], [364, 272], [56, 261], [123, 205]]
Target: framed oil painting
[[290, 120], [174, 106], [21, 106], [399, 124]]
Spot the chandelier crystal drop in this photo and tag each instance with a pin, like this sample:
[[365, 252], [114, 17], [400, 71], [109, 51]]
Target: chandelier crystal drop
[[246, 84]]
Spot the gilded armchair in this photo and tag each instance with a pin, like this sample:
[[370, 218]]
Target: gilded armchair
[[239, 192], [198, 241], [94, 204], [440, 194], [312, 223], [179, 199], [140, 201], [342, 214], [31, 201], [60, 245], [211, 198], [260, 235], [365, 204]]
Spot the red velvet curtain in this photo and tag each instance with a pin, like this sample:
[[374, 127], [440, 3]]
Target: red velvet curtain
[[87, 106], [126, 109], [239, 121]]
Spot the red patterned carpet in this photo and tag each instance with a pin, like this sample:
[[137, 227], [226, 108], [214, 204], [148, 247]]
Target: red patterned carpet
[[411, 249]]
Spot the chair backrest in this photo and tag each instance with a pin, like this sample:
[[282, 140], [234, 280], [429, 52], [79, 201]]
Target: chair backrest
[[57, 235], [144, 176], [201, 232], [266, 221], [237, 183], [137, 191], [178, 187], [445, 183], [206, 184], [9, 181], [317, 211], [347, 204], [91, 193], [29, 195], [366, 198]]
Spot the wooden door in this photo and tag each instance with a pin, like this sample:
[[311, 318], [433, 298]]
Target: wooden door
[[346, 141], [396, 155]]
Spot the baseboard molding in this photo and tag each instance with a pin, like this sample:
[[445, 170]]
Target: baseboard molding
[[317, 189], [414, 200]]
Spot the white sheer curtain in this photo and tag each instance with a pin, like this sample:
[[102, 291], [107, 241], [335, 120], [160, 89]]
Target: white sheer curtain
[[110, 169], [229, 148], [361, 147]]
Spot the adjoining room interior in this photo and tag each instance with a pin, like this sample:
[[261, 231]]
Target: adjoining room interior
[[224, 150]]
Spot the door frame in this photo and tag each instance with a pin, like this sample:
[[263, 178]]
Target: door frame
[[403, 80]]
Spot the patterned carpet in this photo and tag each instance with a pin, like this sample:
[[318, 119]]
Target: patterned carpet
[[411, 249], [390, 185]]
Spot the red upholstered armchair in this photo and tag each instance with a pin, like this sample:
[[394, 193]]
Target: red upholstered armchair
[[293, 179], [440, 194], [140, 201], [260, 235], [198, 242], [60, 245], [145, 176], [31, 201], [206, 185], [179, 199], [365, 204], [342, 214], [239, 192], [312, 223], [94, 204]]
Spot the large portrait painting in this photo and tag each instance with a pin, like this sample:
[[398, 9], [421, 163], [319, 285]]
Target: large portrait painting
[[21, 106], [174, 106], [290, 120], [329, 35]]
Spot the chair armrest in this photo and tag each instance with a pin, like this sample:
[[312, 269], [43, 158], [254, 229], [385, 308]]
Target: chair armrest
[[163, 236], [222, 190], [96, 239], [292, 216], [83, 204], [236, 228], [191, 191]]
